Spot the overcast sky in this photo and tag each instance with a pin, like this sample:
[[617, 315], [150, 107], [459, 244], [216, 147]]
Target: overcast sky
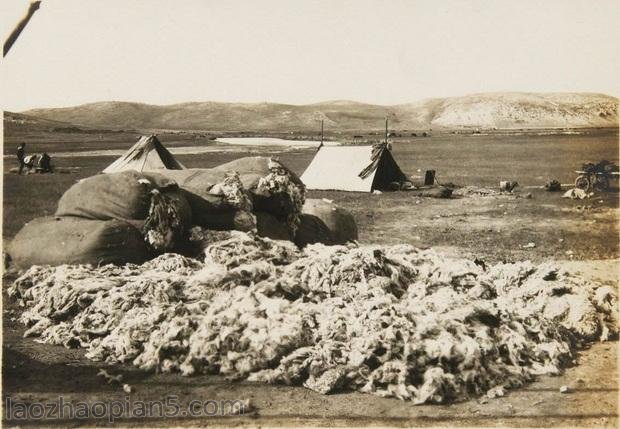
[[298, 51]]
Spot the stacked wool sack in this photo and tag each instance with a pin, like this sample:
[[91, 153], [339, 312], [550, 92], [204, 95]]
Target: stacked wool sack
[[217, 199], [74, 240], [322, 221], [107, 218], [262, 187], [388, 320], [153, 203]]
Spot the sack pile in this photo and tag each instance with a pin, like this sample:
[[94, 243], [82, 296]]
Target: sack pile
[[107, 218], [265, 196], [226, 196], [387, 320], [100, 219]]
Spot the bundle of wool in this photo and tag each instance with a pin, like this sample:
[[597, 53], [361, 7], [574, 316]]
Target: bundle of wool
[[168, 219], [388, 320], [284, 195], [233, 192]]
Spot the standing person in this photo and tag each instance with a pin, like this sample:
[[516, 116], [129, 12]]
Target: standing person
[[21, 154]]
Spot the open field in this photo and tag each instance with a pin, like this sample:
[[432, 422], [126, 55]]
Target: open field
[[489, 228], [587, 228]]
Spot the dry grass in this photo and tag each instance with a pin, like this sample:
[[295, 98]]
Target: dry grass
[[489, 227]]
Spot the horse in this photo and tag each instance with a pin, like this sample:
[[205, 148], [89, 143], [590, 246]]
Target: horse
[[38, 163]]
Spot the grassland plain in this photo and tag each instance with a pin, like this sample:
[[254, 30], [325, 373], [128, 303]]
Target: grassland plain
[[491, 228], [588, 228]]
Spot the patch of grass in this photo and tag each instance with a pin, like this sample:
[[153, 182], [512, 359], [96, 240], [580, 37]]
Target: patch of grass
[[29, 196]]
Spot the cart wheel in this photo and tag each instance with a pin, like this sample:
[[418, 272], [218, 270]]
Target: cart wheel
[[582, 182], [602, 183]]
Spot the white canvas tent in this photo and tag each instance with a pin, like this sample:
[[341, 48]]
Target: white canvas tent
[[147, 154], [352, 168]]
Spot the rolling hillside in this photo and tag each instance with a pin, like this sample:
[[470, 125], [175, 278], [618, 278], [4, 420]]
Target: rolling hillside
[[491, 110], [19, 122]]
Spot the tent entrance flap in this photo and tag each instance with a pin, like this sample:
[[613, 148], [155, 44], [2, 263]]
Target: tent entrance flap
[[387, 172]]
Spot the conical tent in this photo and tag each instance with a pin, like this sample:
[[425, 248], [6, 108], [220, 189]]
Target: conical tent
[[352, 168], [147, 154]]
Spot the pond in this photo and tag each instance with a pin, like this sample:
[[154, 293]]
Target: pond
[[270, 141]]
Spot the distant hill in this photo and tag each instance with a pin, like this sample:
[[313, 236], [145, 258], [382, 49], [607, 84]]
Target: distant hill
[[489, 110], [16, 123], [19, 122]]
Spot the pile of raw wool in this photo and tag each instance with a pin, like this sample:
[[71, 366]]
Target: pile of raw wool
[[279, 183], [388, 320]]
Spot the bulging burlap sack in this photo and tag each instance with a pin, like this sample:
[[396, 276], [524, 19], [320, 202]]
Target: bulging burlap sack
[[312, 230], [268, 226], [217, 199], [198, 181], [213, 213], [124, 195], [72, 240], [132, 196], [252, 168], [339, 222]]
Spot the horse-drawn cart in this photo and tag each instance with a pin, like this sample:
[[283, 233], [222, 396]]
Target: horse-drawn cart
[[596, 176]]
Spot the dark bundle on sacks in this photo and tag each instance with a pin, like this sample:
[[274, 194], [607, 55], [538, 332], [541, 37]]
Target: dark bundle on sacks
[[273, 188], [217, 199]]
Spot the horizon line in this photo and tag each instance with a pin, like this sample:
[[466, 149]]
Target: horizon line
[[313, 103]]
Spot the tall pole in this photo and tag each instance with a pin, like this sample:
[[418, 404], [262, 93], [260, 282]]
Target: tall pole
[[386, 129], [20, 26], [321, 132]]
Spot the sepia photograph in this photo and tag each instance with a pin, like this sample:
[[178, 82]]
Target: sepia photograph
[[310, 213]]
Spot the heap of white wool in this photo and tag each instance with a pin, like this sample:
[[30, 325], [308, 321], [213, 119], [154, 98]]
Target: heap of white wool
[[388, 320]]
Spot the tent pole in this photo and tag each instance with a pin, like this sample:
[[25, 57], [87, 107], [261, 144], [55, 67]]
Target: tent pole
[[144, 162], [386, 129]]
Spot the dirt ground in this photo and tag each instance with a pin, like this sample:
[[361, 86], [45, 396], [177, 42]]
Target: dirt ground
[[583, 235], [497, 228]]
